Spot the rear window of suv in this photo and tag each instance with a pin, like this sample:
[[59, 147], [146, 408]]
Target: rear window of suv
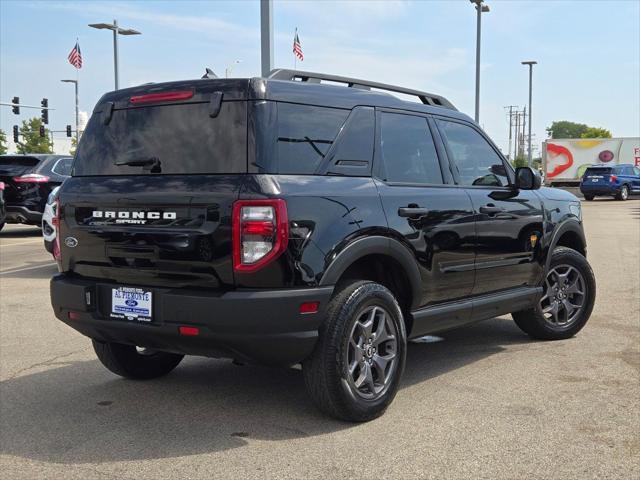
[[590, 172], [165, 139], [17, 165]]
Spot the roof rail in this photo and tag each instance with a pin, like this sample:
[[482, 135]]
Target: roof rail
[[311, 77]]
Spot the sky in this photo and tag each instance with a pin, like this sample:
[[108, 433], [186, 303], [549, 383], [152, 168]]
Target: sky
[[588, 52]]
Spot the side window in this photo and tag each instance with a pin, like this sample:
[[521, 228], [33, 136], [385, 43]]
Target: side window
[[477, 161], [305, 134], [63, 166], [636, 171], [408, 152]]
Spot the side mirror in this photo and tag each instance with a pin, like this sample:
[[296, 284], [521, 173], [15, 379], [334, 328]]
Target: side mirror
[[527, 179]]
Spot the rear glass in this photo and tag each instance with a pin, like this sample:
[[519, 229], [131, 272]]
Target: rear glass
[[17, 165], [167, 139], [597, 171]]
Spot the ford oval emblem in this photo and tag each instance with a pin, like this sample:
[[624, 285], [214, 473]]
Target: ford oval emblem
[[71, 242], [131, 303]]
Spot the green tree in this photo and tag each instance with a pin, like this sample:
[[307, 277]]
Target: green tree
[[3, 143], [31, 141], [520, 161], [74, 146], [596, 132], [566, 129]]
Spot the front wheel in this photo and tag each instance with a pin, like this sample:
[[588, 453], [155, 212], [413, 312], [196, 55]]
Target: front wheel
[[134, 362], [623, 194], [567, 301], [354, 371]]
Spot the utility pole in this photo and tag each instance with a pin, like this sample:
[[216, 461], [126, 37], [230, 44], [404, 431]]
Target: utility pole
[[510, 107], [266, 36], [117, 30], [481, 8], [530, 64], [75, 82], [524, 127]]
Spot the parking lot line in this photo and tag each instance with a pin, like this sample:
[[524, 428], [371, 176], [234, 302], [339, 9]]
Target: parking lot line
[[35, 240], [23, 269]]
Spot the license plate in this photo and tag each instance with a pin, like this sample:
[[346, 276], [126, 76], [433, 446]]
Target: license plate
[[594, 179], [128, 303]]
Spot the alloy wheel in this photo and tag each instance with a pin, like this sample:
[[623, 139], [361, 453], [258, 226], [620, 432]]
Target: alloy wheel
[[564, 296], [372, 353]]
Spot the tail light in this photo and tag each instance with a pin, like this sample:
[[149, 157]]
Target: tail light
[[260, 233], [56, 225], [613, 178], [31, 178], [1, 185]]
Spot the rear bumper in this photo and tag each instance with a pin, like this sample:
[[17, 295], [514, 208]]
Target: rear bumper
[[259, 326], [21, 214]]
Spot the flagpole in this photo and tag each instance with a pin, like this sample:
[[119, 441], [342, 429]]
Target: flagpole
[[295, 57], [77, 108]]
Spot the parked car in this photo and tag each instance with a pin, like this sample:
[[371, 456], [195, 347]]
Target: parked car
[[2, 207], [48, 223], [291, 219], [617, 181], [28, 181]]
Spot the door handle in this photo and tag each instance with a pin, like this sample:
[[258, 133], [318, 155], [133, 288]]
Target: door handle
[[491, 209], [412, 212]]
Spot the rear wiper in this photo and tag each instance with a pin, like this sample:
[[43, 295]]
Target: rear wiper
[[150, 163]]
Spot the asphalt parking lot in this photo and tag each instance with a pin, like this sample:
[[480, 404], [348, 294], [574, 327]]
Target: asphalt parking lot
[[485, 402]]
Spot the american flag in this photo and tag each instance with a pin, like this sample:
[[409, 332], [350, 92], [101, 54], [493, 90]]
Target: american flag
[[297, 48], [75, 57]]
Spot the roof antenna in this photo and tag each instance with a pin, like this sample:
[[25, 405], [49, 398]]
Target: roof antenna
[[209, 73]]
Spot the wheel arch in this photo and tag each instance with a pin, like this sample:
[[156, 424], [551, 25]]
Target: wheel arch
[[377, 247], [568, 234]]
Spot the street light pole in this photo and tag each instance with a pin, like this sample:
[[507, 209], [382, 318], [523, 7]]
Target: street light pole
[[75, 82], [481, 7], [531, 63], [117, 30]]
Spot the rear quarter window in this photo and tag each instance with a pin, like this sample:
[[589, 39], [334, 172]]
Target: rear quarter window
[[305, 135]]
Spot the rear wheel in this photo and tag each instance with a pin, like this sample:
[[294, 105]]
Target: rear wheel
[[354, 372], [588, 197], [567, 301], [623, 194], [135, 362]]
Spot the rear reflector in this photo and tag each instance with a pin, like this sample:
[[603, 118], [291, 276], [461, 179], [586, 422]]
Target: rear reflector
[[73, 315], [162, 97], [309, 307], [31, 178], [189, 331]]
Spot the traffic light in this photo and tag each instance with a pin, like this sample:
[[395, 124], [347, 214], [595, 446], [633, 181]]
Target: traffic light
[[68, 130], [16, 132], [42, 132], [45, 111], [15, 109]]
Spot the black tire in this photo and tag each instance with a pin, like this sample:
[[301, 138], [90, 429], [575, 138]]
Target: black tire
[[126, 361], [326, 373], [1, 225], [588, 198], [623, 194], [534, 322]]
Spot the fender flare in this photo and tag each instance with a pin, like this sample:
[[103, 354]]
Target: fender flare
[[569, 225], [376, 245]]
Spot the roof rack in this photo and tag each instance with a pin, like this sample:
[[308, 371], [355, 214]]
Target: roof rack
[[311, 77]]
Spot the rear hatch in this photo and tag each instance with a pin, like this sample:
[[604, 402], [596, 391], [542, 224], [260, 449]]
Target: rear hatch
[[13, 172], [153, 184], [597, 176]]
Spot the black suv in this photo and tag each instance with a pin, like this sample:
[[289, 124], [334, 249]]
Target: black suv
[[28, 181], [290, 219]]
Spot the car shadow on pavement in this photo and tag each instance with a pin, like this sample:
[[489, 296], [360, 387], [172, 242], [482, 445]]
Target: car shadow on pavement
[[20, 232], [77, 412]]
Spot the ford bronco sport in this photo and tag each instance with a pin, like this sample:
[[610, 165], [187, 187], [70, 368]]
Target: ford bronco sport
[[304, 218]]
